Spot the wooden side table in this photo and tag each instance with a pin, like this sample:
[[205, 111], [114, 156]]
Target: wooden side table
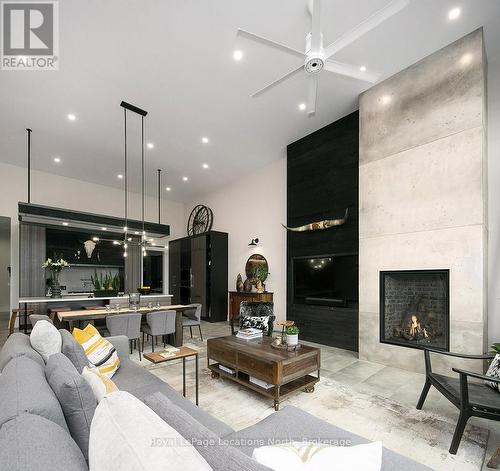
[[184, 352]]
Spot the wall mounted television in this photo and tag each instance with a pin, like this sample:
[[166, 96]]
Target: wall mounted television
[[327, 280]]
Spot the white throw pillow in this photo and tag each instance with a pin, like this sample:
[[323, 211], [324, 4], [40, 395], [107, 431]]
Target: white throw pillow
[[100, 384], [126, 435], [296, 456], [45, 339]]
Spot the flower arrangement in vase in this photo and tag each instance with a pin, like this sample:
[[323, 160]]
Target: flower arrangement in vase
[[55, 266]]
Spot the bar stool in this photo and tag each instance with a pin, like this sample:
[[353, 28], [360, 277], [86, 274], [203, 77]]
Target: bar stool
[[13, 317]]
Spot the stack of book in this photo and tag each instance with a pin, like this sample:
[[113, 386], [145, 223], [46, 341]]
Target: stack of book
[[249, 334]]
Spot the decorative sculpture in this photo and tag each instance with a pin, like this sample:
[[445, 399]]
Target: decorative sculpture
[[320, 225]]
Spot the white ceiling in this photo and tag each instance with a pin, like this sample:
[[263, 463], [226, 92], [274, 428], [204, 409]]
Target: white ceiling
[[174, 58]]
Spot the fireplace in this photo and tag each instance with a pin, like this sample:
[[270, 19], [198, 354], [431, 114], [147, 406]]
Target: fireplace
[[414, 308]]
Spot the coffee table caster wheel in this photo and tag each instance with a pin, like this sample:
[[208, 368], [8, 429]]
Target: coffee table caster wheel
[[309, 389], [215, 375], [276, 406]]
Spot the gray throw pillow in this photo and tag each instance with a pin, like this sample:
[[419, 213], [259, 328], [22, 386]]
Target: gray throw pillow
[[24, 388], [73, 350], [75, 396], [31, 442], [220, 456]]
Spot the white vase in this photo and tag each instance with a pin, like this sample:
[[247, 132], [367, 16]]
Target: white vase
[[292, 340]]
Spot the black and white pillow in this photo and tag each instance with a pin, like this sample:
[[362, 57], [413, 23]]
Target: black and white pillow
[[494, 371], [261, 323]]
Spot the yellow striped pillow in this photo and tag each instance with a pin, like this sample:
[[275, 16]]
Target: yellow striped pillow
[[99, 351]]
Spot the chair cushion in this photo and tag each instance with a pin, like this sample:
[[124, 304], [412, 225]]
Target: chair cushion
[[480, 395], [258, 309], [494, 371], [17, 345], [260, 322], [100, 384], [126, 435], [293, 424], [99, 351], [23, 388], [75, 396], [73, 350], [30, 442], [218, 455], [45, 339]]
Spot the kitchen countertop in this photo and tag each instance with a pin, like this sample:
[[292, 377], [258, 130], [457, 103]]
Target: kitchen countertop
[[65, 299]]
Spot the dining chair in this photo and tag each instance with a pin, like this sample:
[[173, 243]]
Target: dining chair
[[159, 323], [126, 324], [192, 318]]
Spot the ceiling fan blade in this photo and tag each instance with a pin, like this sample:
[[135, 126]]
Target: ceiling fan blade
[[316, 25], [276, 82], [312, 95], [367, 25], [269, 42], [350, 71]]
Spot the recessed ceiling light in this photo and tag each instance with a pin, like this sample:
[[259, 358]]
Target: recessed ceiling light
[[150, 145], [120, 176], [168, 188], [57, 160], [204, 140], [71, 117], [363, 68], [454, 13], [205, 165], [302, 106], [185, 179], [65, 224], [237, 55], [104, 228], [466, 59]]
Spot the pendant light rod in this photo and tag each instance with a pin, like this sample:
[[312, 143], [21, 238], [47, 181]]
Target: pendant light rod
[[125, 169], [142, 173], [29, 163], [159, 195]]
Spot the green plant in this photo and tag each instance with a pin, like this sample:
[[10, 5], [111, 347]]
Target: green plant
[[108, 282], [260, 273], [292, 330], [496, 348]]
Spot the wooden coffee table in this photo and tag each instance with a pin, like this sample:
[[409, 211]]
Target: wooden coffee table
[[286, 371], [184, 352]]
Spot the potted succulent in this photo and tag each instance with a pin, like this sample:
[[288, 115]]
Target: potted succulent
[[106, 285], [292, 335], [55, 266]]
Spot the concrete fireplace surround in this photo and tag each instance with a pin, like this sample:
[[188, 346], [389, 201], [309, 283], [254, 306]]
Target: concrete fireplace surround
[[422, 193]]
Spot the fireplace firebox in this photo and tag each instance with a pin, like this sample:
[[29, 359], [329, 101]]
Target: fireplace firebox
[[415, 308]]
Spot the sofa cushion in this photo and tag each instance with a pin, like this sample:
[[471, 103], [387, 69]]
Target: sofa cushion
[[100, 384], [75, 396], [126, 435], [16, 345], [30, 442], [141, 383], [217, 455], [45, 339], [100, 352], [23, 388], [73, 350], [293, 424]]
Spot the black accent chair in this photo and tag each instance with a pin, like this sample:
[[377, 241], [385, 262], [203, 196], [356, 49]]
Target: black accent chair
[[471, 399], [256, 309]]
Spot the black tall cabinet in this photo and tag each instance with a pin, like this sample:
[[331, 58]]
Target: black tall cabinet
[[198, 273]]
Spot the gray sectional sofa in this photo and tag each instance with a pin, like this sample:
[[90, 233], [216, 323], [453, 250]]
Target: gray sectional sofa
[[34, 431]]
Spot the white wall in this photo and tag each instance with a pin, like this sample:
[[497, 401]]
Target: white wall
[[52, 190], [494, 199], [254, 206]]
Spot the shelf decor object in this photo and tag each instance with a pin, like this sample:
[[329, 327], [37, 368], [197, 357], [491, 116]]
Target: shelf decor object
[[200, 220], [55, 267], [320, 225]]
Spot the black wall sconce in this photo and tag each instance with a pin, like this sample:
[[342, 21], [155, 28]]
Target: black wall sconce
[[253, 242]]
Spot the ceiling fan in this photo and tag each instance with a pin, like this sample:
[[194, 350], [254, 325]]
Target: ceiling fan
[[318, 58]]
